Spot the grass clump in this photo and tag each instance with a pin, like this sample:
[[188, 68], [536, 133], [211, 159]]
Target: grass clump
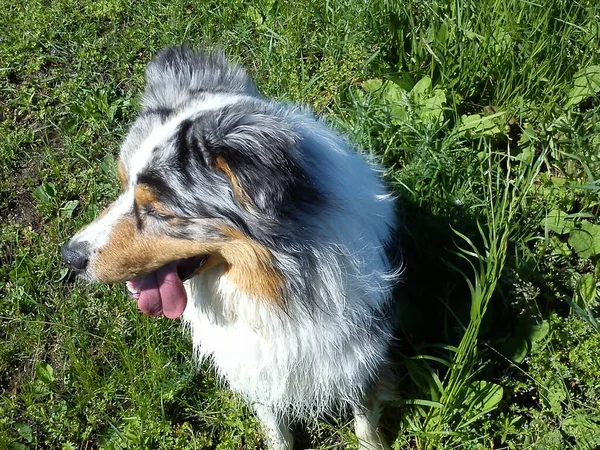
[[486, 117]]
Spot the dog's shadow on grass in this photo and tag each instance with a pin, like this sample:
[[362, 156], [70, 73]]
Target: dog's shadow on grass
[[432, 293], [434, 304], [433, 299]]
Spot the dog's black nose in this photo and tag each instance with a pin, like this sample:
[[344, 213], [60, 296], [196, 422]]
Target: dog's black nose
[[76, 255]]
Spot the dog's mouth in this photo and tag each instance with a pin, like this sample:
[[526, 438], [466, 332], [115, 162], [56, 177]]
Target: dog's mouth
[[162, 291]]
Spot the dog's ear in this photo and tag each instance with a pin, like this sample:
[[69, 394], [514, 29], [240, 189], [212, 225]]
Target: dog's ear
[[257, 152], [178, 73]]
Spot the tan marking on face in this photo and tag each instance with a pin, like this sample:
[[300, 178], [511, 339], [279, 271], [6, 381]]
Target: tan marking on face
[[251, 268], [211, 261], [146, 196], [132, 253], [238, 191], [122, 174]]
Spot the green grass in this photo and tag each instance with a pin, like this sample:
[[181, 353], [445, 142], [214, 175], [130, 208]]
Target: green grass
[[486, 115]]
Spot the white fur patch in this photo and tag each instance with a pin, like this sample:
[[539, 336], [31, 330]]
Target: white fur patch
[[142, 156], [97, 232]]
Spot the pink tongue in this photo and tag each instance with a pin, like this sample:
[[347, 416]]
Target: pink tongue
[[162, 292]]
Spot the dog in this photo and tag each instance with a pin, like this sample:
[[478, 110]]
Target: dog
[[265, 231]]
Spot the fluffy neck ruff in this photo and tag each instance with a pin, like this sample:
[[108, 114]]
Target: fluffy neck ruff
[[322, 349]]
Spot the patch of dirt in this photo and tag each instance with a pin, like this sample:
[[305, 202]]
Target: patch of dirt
[[21, 209], [17, 205], [13, 78]]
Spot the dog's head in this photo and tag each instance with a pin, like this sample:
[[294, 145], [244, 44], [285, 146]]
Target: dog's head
[[210, 173]]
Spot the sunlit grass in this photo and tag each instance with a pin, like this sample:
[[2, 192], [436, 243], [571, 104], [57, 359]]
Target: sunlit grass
[[485, 115]]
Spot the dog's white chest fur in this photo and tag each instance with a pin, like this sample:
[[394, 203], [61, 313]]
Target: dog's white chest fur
[[298, 365], [325, 346]]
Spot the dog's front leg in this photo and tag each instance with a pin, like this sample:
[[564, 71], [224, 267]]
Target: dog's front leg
[[366, 426], [276, 428]]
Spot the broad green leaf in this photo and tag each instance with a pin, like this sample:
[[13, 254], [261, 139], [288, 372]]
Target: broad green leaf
[[586, 287], [432, 108], [483, 396], [586, 83], [396, 98], [586, 241], [45, 193], [558, 181], [527, 144], [399, 114], [478, 125], [63, 274], [528, 136], [556, 394], [108, 166], [442, 35], [403, 80], [393, 94], [45, 373], [526, 155], [539, 331], [502, 41], [526, 334], [515, 348], [557, 222], [24, 431], [254, 14], [68, 208], [422, 86], [372, 85]]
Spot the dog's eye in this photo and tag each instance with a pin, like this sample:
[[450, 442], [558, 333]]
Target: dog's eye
[[150, 211]]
